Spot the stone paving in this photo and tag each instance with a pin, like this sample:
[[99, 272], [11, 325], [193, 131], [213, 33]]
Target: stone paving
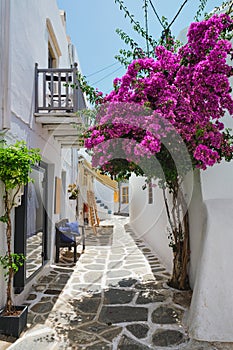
[[115, 297]]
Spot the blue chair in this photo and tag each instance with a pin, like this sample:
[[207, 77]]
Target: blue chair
[[68, 235]]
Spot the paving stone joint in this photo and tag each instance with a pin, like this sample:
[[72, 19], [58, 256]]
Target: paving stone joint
[[115, 297]]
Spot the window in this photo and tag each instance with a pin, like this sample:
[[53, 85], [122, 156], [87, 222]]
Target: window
[[116, 196], [150, 193], [52, 61], [54, 51], [125, 195]]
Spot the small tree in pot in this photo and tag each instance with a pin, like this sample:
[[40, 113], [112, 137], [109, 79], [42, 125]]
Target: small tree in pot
[[16, 163]]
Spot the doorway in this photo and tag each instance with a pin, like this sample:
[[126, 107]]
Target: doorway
[[31, 226]]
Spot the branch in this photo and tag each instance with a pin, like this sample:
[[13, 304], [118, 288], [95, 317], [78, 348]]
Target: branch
[[230, 9], [200, 9], [136, 26], [15, 195], [167, 208]]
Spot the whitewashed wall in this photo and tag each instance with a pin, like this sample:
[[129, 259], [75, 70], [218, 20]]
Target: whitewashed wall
[[29, 44], [217, 181], [211, 310], [211, 251], [105, 194], [4, 64], [149, 221], [212, 303], [25, 21], [70, 167]]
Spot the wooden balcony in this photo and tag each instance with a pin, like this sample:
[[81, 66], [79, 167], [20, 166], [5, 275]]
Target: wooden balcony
[[57, 100]]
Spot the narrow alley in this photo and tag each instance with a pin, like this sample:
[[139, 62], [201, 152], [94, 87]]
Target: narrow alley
[[115, 297]]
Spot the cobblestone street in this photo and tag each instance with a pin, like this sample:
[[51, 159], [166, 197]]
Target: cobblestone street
[[115, 297]]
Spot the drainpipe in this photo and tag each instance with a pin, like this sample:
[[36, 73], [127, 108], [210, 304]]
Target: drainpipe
[[5, 67]]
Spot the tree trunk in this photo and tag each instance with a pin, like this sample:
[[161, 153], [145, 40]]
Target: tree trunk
[[9, 291], [181, 252], [178, 219], [9, 237]]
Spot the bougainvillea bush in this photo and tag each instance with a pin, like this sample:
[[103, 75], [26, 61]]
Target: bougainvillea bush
[[170, 109]]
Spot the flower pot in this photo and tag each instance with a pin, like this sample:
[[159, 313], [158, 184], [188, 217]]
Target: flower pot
[[73, 197], [14, 324]]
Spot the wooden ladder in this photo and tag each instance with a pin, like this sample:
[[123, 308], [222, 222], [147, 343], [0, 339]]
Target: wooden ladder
[[93, 214]]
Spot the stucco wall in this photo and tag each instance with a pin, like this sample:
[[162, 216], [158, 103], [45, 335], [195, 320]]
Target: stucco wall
[[197, 217], [149, 221], [104, 193], [210, 316], [217, 181], [29, 44], [70, 167], [4, 64]]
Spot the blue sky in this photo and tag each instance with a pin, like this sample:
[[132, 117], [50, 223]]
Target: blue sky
[[91, 25]]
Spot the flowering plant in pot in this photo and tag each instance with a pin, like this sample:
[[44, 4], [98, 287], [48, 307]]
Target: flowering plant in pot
[[73, 190], [16, 163]]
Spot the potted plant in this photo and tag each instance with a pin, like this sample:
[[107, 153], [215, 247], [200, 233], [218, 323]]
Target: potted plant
[[15, 166], [73, 190]]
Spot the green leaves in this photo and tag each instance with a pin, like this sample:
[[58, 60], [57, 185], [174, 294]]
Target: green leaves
[[15, 164], [94, 96], [11, 263], [120, 169], [226, 6], [137, 27], [125, 37], [200, 10], [4, 219]]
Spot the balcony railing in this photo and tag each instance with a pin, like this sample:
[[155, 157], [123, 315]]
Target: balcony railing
[[56, 90]]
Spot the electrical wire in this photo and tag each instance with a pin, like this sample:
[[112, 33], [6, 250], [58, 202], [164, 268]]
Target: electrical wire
[[146, 14], [177, 14], [156, 14], [146, 25], [108, 75], [173, 20], [101, 70]]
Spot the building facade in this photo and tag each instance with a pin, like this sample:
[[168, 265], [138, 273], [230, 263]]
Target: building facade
[[37, 105]]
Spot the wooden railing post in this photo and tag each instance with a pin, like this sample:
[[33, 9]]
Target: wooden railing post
[[75, 88], [36, 88]]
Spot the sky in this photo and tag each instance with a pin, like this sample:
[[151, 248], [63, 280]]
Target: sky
[[92, 25]]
